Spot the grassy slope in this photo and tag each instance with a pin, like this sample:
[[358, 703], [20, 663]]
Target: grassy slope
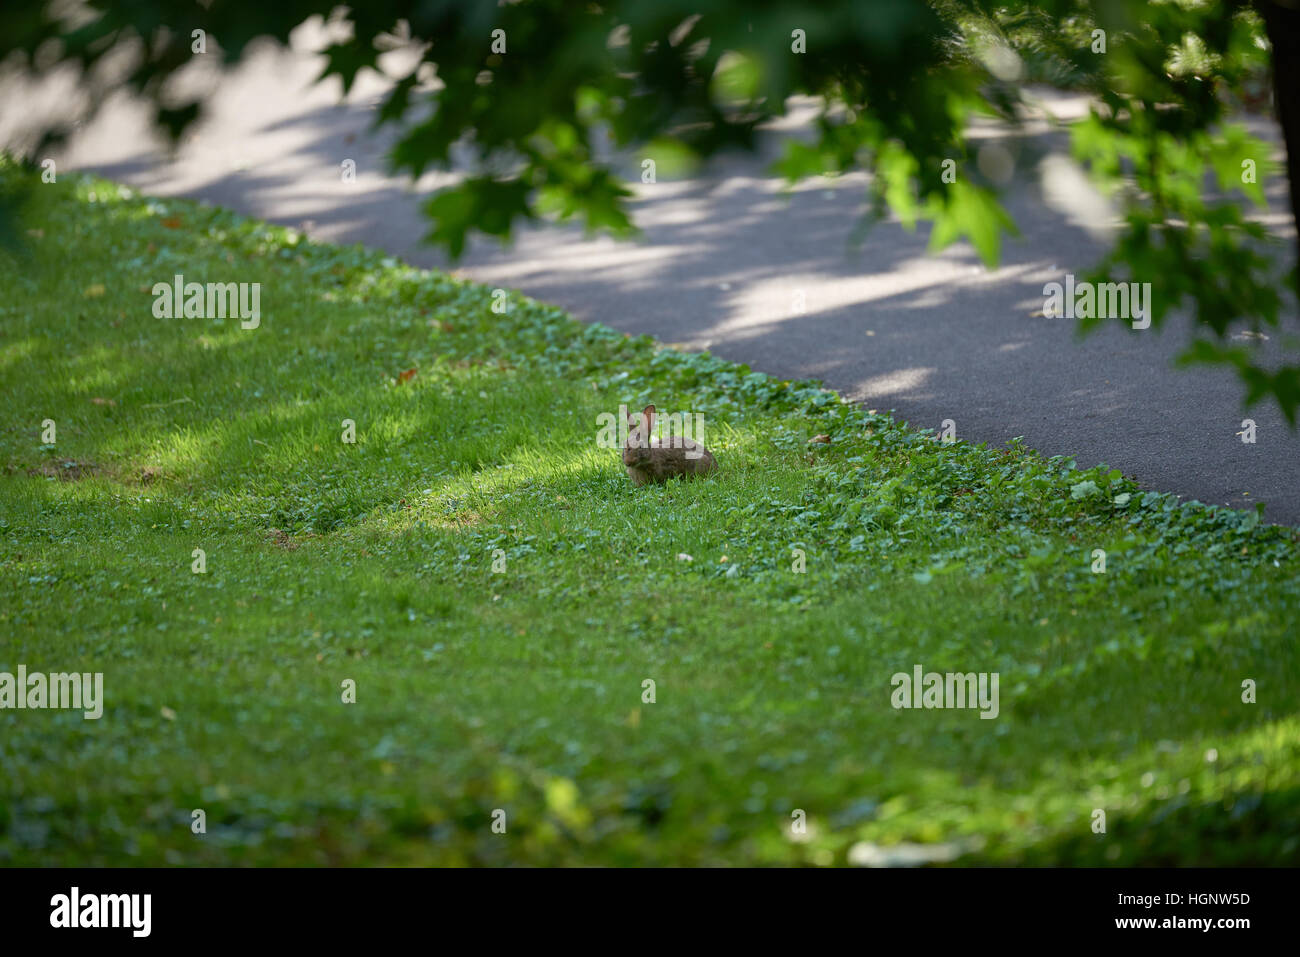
[[523, 690]]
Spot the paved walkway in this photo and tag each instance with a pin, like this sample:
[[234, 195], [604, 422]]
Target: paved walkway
[[730, 263]]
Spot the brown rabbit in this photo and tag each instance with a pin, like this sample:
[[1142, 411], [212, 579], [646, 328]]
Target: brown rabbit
[[649, 460]]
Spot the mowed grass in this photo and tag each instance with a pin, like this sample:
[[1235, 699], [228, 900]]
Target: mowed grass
[[524, 690]]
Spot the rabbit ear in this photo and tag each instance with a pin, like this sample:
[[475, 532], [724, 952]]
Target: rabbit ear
[[648, 413]]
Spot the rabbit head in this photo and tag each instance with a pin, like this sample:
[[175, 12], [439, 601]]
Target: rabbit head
[[640, 426]]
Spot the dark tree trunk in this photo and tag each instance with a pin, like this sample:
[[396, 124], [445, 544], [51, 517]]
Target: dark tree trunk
[[1282, 21]]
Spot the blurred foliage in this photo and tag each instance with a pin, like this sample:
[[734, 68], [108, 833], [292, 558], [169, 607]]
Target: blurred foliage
[[532, 111]]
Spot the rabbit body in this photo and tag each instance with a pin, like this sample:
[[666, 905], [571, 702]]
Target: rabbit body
[[649, 460]]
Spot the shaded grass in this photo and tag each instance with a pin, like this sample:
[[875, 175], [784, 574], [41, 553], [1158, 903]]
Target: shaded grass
[[522, 689]]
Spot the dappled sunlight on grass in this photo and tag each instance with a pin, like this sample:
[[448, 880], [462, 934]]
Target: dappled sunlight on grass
[[18, 351]]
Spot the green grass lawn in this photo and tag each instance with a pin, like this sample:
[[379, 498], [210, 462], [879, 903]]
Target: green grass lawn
[[522, 689]]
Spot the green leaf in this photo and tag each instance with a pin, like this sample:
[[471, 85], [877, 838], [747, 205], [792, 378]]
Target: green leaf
[[974, 212], [1085, 489]]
